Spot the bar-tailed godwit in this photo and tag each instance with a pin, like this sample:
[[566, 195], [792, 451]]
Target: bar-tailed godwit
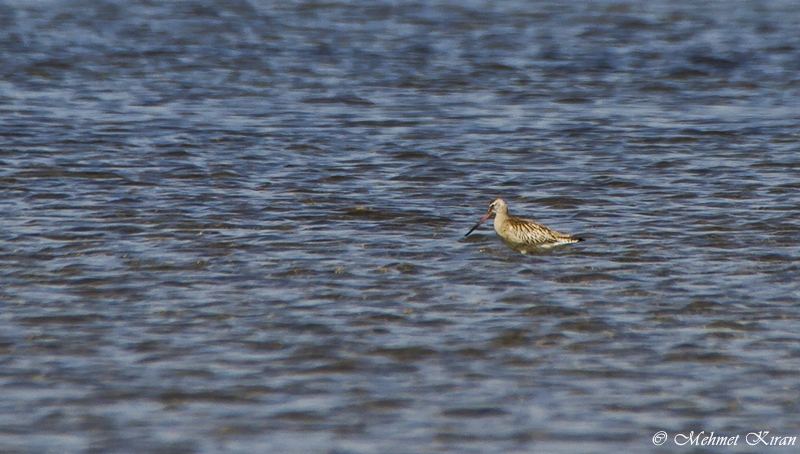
[[522, 235]]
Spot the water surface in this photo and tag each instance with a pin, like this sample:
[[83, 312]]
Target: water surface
[[237, 227]]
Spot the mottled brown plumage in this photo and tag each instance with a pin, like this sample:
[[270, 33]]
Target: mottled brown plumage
[[522, 235]]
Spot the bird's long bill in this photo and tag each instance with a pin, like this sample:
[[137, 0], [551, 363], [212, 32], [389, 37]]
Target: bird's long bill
[[485, 217]]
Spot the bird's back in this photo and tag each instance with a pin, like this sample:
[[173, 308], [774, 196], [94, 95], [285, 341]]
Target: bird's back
[[530, 233]]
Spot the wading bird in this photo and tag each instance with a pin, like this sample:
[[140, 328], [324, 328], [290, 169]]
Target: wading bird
[[522, 235]]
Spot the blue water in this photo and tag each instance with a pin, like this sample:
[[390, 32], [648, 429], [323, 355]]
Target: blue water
[[238, 227]]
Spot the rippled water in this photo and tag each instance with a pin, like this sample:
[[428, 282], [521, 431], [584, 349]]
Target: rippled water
[[237, 227]]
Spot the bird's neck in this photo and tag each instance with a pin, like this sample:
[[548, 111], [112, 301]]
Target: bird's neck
[[500, 218]]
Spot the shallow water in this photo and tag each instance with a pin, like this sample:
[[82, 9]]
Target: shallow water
[[237, 227]]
